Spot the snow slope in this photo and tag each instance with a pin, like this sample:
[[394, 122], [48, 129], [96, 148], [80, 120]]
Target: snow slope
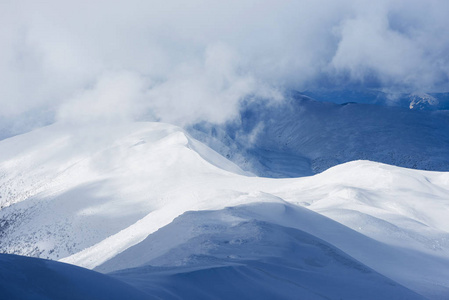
[[109, 198], [32, 278], [301, 137], [235, 254], [64, 186]]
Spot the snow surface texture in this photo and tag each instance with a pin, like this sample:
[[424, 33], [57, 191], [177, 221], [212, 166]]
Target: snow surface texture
[[109, 199], [301, 137], [233, 253]]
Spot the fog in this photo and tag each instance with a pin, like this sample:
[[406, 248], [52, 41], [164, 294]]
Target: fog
[[186, 61]]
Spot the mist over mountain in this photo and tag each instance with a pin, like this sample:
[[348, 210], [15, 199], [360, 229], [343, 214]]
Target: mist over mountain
[[183, 63], [224, 150]]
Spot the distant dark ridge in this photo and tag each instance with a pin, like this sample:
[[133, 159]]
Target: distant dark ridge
[[300, 136]]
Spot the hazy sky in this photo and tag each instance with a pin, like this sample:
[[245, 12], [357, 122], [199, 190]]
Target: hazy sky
[[183, 61]]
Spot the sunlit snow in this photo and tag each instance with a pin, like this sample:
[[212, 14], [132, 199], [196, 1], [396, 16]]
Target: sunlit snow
[[168, 215]]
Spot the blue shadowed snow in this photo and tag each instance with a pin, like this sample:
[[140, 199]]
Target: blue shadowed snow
[[38, 279], [230, 255]]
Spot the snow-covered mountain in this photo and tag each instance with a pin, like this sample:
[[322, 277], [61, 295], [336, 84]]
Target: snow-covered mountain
[[239, 253], [59, 187], [167, 214], [300, 136]]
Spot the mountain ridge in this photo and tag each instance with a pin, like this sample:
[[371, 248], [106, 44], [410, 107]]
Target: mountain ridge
[[300, 136], [138, 178]]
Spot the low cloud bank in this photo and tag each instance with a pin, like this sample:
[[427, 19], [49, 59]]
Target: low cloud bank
[[186, 61]]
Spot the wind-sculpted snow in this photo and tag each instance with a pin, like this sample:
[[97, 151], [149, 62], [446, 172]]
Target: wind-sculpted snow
[[301, 137], [109, 199], [233, 254]]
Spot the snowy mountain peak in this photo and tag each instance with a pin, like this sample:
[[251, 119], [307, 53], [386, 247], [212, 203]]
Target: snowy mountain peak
[[96, 198], [422, 101]]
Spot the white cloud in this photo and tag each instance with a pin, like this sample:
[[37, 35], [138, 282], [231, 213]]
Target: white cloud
[[116, 97], [188, 60], [395, 46], [209, 89]]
